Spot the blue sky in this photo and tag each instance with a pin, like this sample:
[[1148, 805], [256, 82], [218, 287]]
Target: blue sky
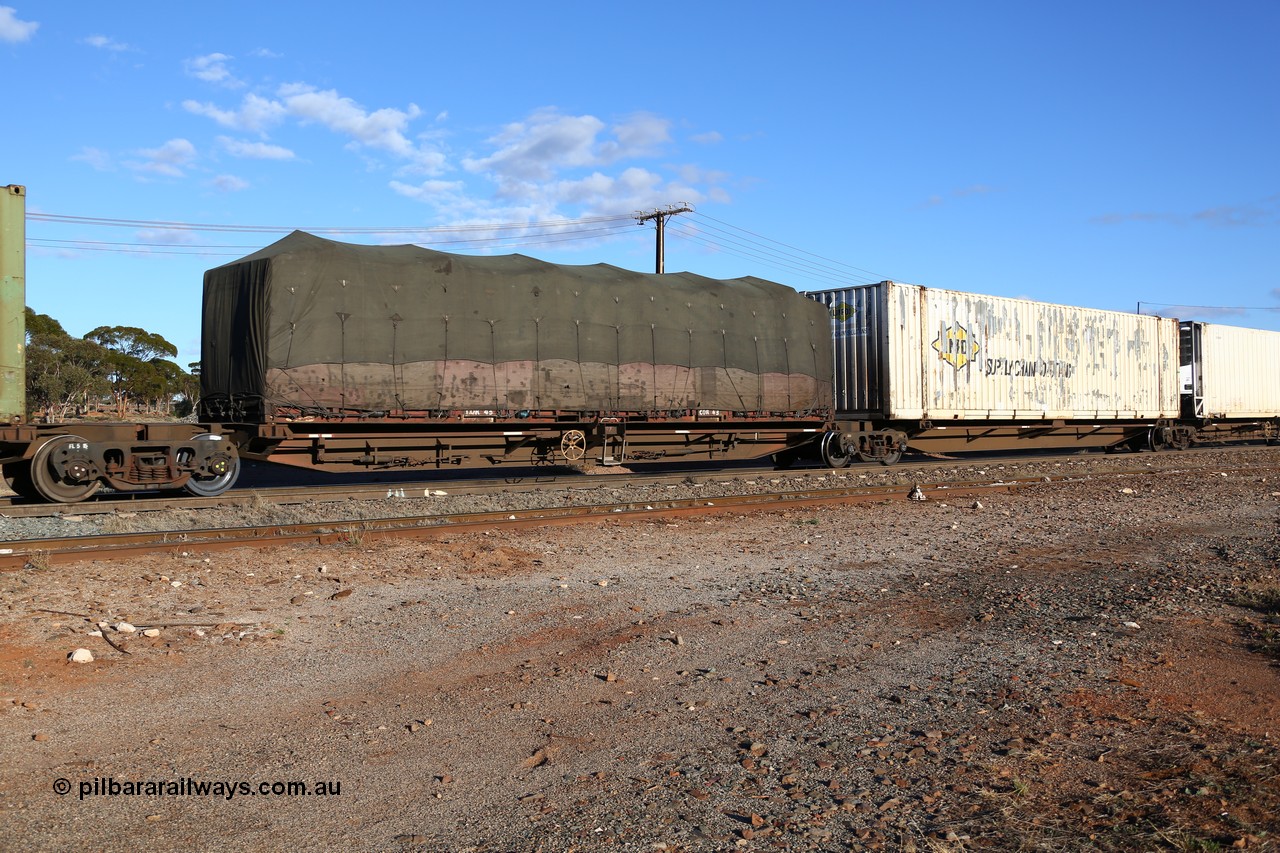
[[1089, 153]]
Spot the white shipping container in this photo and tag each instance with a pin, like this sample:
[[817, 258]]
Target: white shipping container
[[1231, 372], [905, 352]]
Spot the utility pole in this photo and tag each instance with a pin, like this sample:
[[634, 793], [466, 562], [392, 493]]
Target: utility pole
[[660, 217]]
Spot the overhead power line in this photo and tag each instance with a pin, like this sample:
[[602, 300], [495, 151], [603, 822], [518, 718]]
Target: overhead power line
[[835, 265], [762, 256], [763, 253], [499, 242], [341, 229]]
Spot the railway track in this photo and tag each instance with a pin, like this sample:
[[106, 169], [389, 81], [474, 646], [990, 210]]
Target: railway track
[[800, 492], [15, 507], [119, 546]]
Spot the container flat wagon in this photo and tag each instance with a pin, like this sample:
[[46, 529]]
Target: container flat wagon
[[318, 353], [944, 371], [324, 354]]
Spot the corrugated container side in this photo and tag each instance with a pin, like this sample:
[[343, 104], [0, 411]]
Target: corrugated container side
[[999, 358], [1238, 372], [860, 340], [906, 352]]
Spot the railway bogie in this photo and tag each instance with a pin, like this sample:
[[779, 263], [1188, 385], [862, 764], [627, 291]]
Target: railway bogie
[[52, 463]]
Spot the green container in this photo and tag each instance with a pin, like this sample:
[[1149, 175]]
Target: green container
[[13, 303]]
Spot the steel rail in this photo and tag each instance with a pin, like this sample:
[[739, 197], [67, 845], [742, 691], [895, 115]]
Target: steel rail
[[421, 490], [418, 490], [119, 546]]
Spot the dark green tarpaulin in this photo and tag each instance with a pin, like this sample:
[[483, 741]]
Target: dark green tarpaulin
[[309, 326]]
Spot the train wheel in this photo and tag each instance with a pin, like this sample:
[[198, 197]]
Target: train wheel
[[56, 487], [573, 444], [1157, 439], [835, 453], [224, 470], [17, 476], [891, 457]]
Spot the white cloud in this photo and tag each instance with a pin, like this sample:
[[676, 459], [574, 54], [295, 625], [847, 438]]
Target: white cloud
[[168, 160], [536, 148], [254, 150], [226, 118], [383, 129], [633, 189], [264, 53], [429, 190], [229, 183], [962, 192], [550, 162], [691, 174], [638, 136], [168, 236], [95, 157], [1263, 212], [105, 43], [530, 171], [12, 29], [711, 137], [545, 143], [256, 113], [212, 68]]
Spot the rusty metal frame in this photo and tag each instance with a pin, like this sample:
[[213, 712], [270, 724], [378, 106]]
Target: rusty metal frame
[[368, 445]]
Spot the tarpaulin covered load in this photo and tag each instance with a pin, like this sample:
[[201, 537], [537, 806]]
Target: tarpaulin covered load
[[309, 326]]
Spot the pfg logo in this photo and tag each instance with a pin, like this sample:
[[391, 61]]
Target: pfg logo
[[956, 346], [842, 312]]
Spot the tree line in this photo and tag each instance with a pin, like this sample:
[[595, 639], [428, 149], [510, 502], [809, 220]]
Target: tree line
[[116, 369]]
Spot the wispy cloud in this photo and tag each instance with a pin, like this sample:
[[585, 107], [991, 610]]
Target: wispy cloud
[[711, 137], [14, 30], [533, 149], [256, 113], [1255, 214], [167, 236], [95, 157], [385, 129], [264, 53], [542, 167], [169, 160], [229, 184], [538, 147], [212, 68], [254, 150], [105, 43], [954, 195]]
